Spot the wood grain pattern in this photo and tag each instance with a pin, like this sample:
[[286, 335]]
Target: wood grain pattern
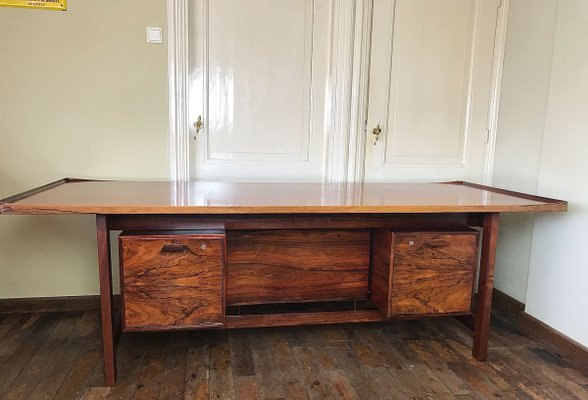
[[298, 319], [296, 265], [295, 221], [172, 296], [119, 197], [513, 310], [423, 273], [50, 304], [106, 304], [38, 189], [527, 196], [389, 360], [172, 281], [485, 286], [433, 273], [382, 246]]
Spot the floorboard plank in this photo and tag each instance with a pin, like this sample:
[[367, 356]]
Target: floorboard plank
[[173, 383], [403, 357], [31, 340], [438, 364], [284, 358], [95, 393], [151, 371], [198, 366], [221, 376], [131, 356], [268, 374], [65, 355], [241, 358], [7, 321], [313, 378], [44, 356]]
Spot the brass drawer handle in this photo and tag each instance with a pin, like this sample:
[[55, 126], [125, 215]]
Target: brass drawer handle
[[174, 248], [437, 243]]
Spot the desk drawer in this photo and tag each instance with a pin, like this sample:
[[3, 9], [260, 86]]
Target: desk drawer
[[423, 273], [172, 281]]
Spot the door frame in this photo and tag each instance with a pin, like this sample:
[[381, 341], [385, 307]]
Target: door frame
[[495, 90], [347, 91], [177, 73]]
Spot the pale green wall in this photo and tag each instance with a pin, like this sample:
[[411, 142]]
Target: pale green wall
[[81, 94]]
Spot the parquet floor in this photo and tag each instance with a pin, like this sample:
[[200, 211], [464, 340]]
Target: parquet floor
[[57, 355]]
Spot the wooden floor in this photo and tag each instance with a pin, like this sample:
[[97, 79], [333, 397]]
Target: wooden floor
[[44, 356]]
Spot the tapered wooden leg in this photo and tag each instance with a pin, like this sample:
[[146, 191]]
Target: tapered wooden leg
[[105, 274], [485, 285]]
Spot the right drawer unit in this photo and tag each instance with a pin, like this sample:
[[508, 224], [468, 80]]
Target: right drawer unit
[[423, 273]]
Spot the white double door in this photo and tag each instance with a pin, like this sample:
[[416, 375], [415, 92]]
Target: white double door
[[262, 78]]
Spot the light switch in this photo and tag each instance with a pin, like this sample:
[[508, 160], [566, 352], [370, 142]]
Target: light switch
[[154, 35]]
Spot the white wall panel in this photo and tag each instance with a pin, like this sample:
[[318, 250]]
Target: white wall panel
[[521, 122], [558, 274]]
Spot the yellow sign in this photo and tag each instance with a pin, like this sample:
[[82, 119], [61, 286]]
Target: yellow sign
[[45, 4]]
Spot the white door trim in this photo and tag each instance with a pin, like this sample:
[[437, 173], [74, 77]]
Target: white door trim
[[348, 91], [177, 62], [495, 88]]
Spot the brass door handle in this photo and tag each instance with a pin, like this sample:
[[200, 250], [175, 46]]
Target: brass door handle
[[376, 132], [198, 124]]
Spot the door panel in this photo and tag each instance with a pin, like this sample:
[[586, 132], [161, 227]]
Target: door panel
[[430, 81], [259, 70]]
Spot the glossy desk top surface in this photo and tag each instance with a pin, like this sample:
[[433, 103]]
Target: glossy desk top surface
[[73, 196]]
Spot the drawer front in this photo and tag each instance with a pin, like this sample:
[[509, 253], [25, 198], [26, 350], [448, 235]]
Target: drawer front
[[172, 282], [433, 273], [280, 266]]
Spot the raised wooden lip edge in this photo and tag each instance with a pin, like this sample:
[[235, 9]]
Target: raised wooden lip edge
[[8, 206], [514, 193], [4, 203], [38, 189]]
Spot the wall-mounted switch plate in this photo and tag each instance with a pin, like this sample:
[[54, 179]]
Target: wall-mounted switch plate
[[154, 35]]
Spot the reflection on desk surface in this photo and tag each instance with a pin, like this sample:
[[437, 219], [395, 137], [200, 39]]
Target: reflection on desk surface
[[149, 197]]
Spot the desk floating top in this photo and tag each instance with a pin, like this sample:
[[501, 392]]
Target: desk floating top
[[77, 196]]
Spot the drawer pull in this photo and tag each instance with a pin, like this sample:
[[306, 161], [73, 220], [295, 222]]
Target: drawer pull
[[437, 243], [174, 248]]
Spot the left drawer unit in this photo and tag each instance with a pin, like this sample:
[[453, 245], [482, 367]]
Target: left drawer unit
[[172, 280]]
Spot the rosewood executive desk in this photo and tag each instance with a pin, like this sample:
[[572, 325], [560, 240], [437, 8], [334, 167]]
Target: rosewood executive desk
[[220, 255]]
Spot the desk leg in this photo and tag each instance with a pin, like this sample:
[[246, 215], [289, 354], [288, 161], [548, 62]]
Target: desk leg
[[485, 285], [105, 274]]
